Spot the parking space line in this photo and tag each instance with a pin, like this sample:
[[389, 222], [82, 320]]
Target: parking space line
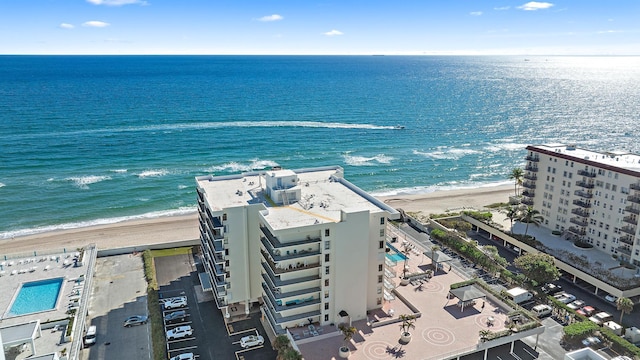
[[245, 331], [239, 352], [179, 340], [184, 349]]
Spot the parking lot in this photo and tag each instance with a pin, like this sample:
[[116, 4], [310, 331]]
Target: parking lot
[[202, 322]]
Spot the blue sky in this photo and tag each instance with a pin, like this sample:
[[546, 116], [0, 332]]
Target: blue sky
[[579, 27]]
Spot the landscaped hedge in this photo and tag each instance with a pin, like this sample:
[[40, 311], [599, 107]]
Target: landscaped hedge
[[465, 248], [158, 338], [579, 330], [620, 344]]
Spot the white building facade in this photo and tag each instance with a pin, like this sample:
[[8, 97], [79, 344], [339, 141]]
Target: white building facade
[[587, 195], [305, 244]]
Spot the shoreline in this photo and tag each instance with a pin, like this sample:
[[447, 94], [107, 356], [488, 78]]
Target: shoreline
[[166, 229]]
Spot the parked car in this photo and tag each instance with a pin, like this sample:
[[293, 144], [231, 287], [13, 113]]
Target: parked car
[[601, 318], [251, 340], [611, 298], [174, 303], [576, 305], [591, 340], [135, 320], [564, 297], [91, 335], [185, 356], [542, 310], [587, 311], [551, 289], [179, 332], [179, 315]]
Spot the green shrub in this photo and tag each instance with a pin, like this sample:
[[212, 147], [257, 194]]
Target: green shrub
[[579, 330], [619, 344], [70, 325], [158, 340]]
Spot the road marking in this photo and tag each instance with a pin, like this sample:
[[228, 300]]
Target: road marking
[[239, 352], [245, 331], [184, 349], [179, 340]]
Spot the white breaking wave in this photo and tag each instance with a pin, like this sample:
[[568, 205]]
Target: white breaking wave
[[506, 147], [235, 167], [453, 185], [182, 187], [119, 171], [366, 161], [2, 185], [153, 173], [150, 215], [450, 154], [83, 182]]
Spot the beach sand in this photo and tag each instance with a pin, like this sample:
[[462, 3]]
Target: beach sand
[[179, 228]]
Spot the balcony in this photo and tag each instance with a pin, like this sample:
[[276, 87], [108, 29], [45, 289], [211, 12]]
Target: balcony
[[632, 219], [527, 201], [277, 294], [294, 302], [583, 204], [277, 320], [576, 231], [282, 255], [531, 168], [634, 199], [587, 173], [585, 184], [583, 194], [624, 250], [632, 210], [580, 212], [529, 185], [529, 193], [627, 239], [275, 242], [629, 229], [635, 186], [579, 222], [530, 176], [278, 268], [534, 158], [277, 282]]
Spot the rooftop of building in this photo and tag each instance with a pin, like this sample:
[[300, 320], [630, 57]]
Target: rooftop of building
[[618, 159], [324, 195]]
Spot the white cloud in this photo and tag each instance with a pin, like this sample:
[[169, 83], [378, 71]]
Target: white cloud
[[502, 8], [274, 17], [117, 2], [609, 32], [475, 13], [333, 33], [95, 23], [66, 26], [534, 5]]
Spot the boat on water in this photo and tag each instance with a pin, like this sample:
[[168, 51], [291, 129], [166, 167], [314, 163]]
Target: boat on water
[[398, 127]]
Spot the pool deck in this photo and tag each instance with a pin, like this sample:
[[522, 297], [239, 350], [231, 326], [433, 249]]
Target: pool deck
[[15, 272]]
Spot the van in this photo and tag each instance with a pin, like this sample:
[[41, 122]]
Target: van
[[90, 336], [541, 310]]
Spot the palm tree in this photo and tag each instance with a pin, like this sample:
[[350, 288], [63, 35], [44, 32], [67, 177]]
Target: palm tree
[[408, 322], [291, 354], [281, 344], [512, 214], [347, 332], [516, 175], [625, 306], [531, 216], [484, 335], [406, 250]]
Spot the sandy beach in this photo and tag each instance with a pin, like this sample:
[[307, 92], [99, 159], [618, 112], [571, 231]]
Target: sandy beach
[[185, 227]]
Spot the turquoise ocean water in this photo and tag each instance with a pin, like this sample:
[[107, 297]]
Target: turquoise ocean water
[[98, 139]]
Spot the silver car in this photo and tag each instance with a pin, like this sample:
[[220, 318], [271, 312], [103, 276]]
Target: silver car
[[136, 320]]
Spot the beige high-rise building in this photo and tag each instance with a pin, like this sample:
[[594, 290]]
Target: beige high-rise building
[[587, 195], [306, 244]]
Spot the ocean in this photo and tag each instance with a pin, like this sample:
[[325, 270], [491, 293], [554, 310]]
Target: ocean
[[99, 139]]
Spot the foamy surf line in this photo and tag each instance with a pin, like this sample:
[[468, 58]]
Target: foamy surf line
[[423, 190], [216, 125], [90, 223]]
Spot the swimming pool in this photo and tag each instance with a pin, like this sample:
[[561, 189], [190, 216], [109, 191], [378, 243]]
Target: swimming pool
[[394, 254], [36, 296]]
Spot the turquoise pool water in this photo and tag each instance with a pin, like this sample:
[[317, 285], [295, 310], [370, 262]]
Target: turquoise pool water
[[36, 296], [396, 257]]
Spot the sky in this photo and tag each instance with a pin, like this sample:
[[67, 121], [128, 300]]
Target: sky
[[324, 27]]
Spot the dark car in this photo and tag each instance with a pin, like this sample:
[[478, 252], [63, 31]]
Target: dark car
[[179, 315], [551, 289]]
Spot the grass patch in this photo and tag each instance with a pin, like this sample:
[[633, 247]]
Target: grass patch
[[158, 340], [171, 252]]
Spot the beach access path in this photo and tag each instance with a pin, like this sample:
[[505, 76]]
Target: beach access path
[[169, 229]]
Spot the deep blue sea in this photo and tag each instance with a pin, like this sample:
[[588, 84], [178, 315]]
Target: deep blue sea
[[99, 139]]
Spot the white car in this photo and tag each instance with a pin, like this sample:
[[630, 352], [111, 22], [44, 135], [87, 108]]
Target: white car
[[564, 297], [576, 305], [174, 303], [251, 340], [185, 356], [611, 298], [179, 332]]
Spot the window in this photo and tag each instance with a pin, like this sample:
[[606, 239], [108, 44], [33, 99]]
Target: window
[[224, 217], [381, 232], [381, 221], [326, 306], [379, 290], [570, 175], [379, 301], [326, 270], [379, 267], [326, 294], [379, 279], [326, 232], [326, 317], [327, 245], [380, 244], [226, 252], [326, 282], [326, 257]]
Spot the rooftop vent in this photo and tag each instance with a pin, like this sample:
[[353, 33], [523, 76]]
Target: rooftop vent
[[571, 147]]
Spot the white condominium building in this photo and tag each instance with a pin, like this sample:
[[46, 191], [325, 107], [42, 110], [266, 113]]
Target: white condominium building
[[306, 244], [587, 195]]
